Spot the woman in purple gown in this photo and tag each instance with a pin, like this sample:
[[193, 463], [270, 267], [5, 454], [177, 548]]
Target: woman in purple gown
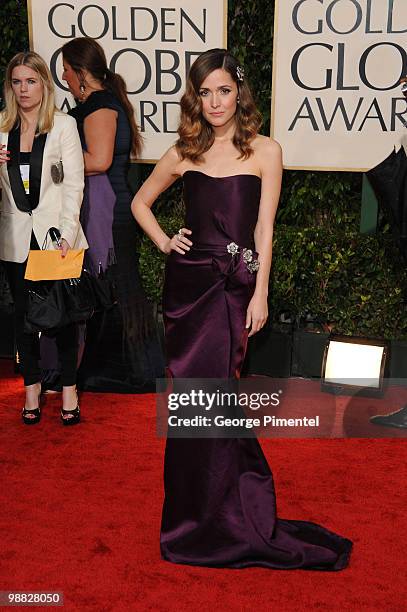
[[220, 507]]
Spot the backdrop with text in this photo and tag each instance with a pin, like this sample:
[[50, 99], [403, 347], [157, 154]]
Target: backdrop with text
[[152, 47], [337, 65]]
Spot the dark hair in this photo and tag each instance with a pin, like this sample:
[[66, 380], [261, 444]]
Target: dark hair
[[196, 135], [86, 54]]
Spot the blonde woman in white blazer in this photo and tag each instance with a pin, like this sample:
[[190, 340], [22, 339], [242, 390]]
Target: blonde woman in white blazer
[[42, 181]]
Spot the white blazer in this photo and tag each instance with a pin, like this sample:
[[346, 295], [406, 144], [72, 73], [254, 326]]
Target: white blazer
[[58, 203]]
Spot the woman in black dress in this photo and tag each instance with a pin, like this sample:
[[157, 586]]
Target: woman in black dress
[[122, 352]]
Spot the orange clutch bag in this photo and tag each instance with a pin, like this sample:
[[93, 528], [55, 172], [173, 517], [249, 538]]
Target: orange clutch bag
[[50, 265]]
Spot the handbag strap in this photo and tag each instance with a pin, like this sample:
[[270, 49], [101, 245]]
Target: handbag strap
[[54, 235]]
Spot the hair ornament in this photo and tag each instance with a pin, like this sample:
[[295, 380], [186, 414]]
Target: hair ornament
[[240, 73]]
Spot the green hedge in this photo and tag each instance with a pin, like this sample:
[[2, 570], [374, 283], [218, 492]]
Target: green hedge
[[14, 31], [349, 282], [322, 266]]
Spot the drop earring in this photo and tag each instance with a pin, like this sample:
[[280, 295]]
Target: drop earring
[[82, 89]]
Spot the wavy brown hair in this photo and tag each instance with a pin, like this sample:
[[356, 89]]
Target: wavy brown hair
[[85, 53], [196, 135]]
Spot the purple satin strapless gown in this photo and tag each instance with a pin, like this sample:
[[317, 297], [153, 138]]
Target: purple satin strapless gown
[[220, 505]]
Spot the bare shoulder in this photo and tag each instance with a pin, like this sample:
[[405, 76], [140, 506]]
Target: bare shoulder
[[172, 155], [266, 145], [164, 174], [268, 155], [171, 161], [100, 118]]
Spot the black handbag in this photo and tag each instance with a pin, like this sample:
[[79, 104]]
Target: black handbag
[[54, 304]]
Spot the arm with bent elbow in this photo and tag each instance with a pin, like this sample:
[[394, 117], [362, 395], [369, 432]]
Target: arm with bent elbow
[[163, 175]]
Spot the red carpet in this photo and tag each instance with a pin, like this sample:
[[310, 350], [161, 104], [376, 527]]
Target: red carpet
[[81, 508]]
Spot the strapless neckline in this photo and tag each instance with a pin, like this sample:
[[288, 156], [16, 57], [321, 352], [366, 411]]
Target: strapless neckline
[[221, 177]]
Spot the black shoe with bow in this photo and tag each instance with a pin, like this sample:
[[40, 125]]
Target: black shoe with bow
[[71, 417], [30, 417]]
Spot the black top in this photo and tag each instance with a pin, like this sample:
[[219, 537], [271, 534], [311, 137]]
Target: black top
[[118, 171], [25, 202], [25, 157]]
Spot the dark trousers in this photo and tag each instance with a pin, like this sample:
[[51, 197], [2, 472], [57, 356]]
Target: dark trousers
[[28, 345]]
